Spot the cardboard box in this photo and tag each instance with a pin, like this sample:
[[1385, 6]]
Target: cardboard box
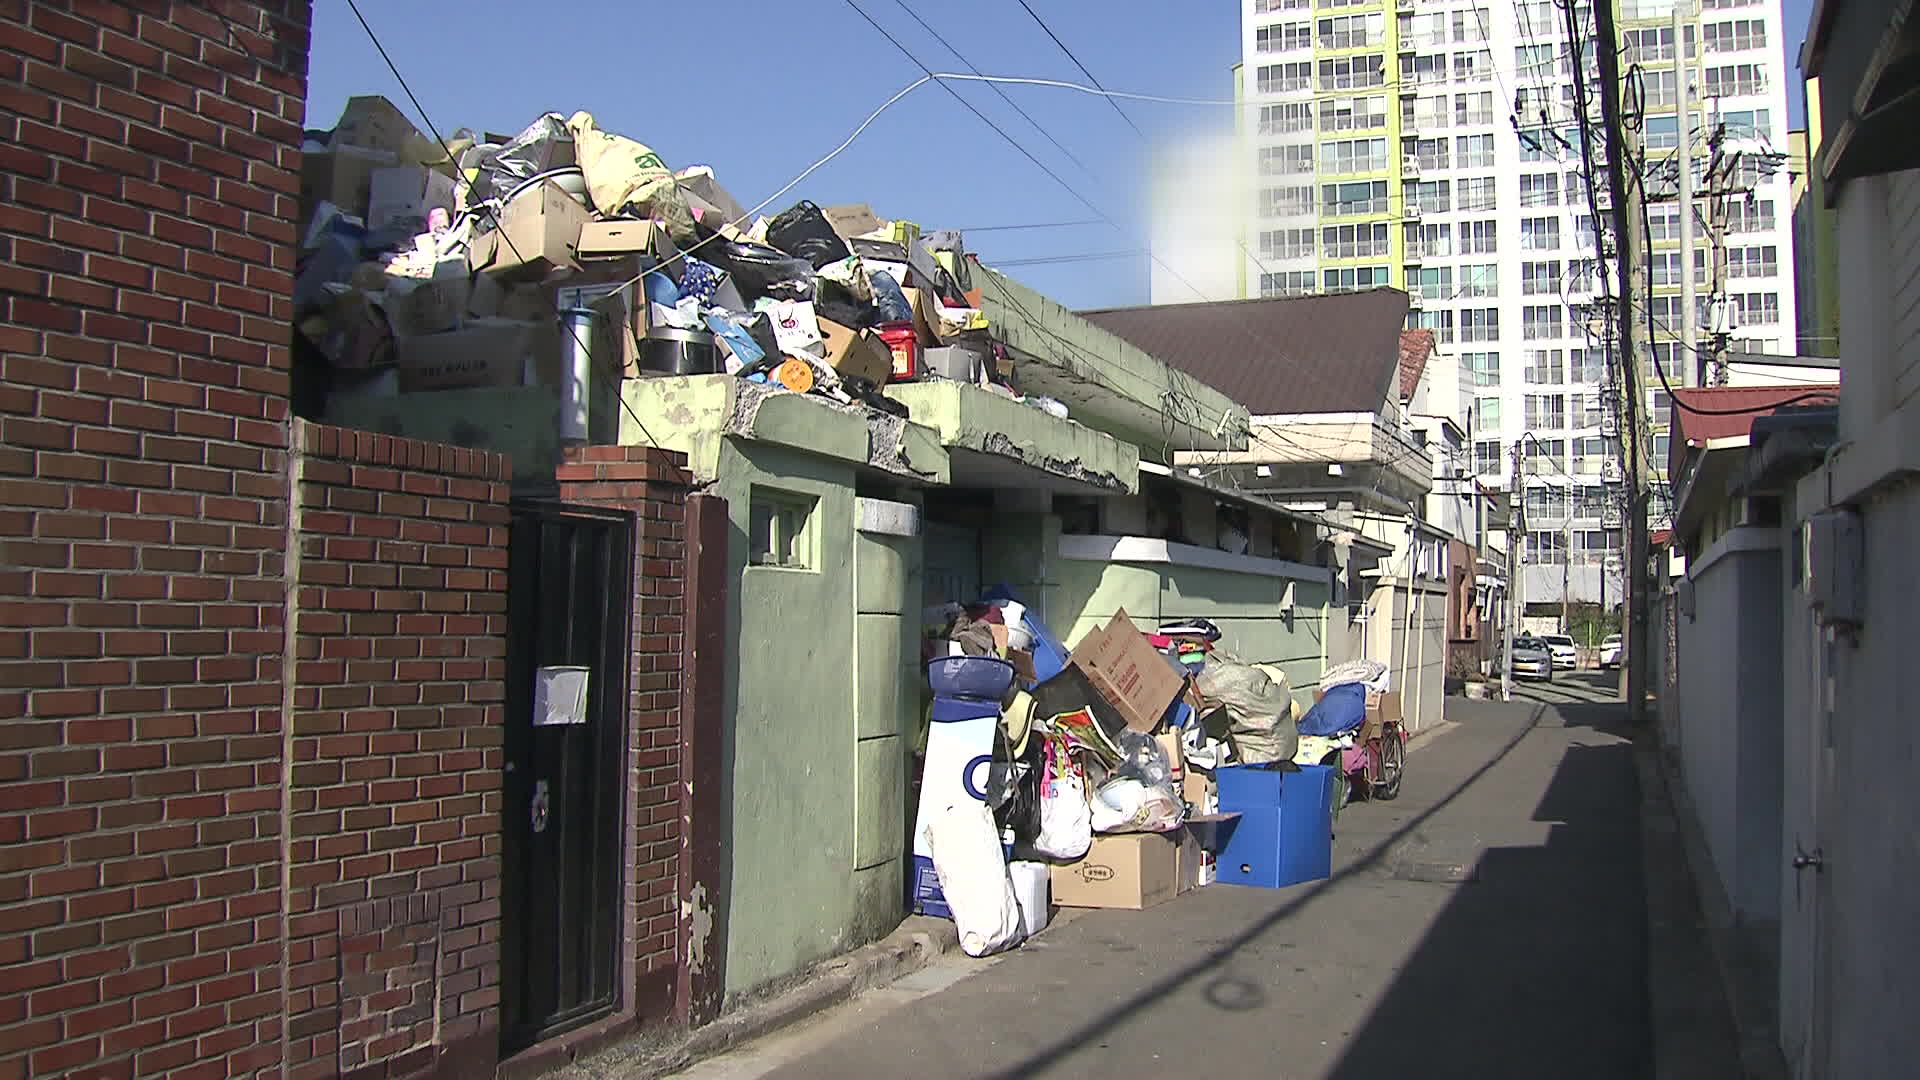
[[1126, 870], [1192, 862], [1023, 670], [856, 352], [925, 317], [538, 233], [1133, 678], [372, 122], [342, 176], [1199, 792], [401, 197], [856, 219], [1381, 707], [429, 307], [610, 239], [485, 352]]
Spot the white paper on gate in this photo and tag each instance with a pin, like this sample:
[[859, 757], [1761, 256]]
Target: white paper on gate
[[959, 757]]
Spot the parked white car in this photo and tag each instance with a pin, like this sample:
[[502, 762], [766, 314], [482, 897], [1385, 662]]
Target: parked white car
[[1565, 656], [1610, 651]]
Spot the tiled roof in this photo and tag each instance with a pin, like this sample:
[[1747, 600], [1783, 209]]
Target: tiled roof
[[1415, 347], [1730, 411], [1306, 354]]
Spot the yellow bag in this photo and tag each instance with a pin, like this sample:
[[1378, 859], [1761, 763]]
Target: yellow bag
[[621, 173]]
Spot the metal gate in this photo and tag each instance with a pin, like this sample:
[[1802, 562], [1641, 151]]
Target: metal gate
[[570, 591]]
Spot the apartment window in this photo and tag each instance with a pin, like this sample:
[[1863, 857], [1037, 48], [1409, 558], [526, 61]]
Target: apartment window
[[1264, 7], [1583, 275], [1481, 280], [1666, 311], [1285, 160], [1545, 455], [1537, 17], [1473, 66], [1473, 108], [1540, 234], [1533, 63], [1664, 222], [780, 529], [1351, 31], [1660, 406], [1354, 156], [1284, 78], [1424, 70], [1478, 237], [1590, 500], [1480, 324], [1353, 113], [1429, 241], [1546, 412], [1421, 114], [1588, 411], [1663, 90], [1733, 79], [1587, 366], [1740, 35], [1440, 322], [1287, 243], [1662, 132], [1487, 458], [1483, 368], [1474, 151], [1470, 26], [1546, 548], [1286, 202], [1727, 5], [1283, 37], [1431, 196], [1665, 360], [1540, 189], [1288, 283], [1423, 31], [1753, 262], [1546, 367], [1479, 193], [1756, 309], [1665, 266], [1429, 154], [1287, 117], [1540, 278], [1353, 72], [1541, 321], [1546, 503], [1486, 414], [1364, 197], [1745, 217], [1749, 124], [1354, 241], [1432, 282], [1355, 277]]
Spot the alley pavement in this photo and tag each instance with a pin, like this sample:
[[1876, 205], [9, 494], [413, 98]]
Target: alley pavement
[[1489, 923]]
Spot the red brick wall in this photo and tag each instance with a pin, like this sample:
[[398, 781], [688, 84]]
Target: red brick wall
[[148, 157], [394, 795], [653, 484]]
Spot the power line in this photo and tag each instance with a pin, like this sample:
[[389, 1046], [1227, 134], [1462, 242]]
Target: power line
[[1034, 225], [1081, 66]]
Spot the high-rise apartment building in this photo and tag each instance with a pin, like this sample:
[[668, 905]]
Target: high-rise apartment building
[[1433, 145]]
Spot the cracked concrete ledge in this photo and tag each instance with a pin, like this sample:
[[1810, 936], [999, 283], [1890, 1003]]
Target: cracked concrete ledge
[[916, 943]]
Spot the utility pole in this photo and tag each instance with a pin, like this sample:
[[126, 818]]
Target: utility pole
[[1566, 582], [1629, 215], [1683, 85], [1717, 235], [1516, 573]]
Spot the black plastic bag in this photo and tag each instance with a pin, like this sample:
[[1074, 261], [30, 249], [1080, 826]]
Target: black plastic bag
[[758, 269], [803, 231], [545, 145]]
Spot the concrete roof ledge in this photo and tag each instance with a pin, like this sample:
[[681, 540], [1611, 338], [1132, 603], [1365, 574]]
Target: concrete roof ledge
[[1059, 454]]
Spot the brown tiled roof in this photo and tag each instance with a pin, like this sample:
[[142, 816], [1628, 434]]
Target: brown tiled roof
[[1304, 354], [1721, 421], [1415, 347]]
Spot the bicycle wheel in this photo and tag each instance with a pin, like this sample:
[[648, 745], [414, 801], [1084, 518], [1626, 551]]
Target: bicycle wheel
[[1392, 751]]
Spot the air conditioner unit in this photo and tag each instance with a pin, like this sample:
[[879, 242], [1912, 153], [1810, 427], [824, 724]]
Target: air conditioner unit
[[1611, 472], [1832, 557], [1413, 211], [1415, 302]]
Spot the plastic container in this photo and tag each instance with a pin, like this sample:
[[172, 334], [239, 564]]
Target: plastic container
[[904, 343], [667, 351], [982, 677]]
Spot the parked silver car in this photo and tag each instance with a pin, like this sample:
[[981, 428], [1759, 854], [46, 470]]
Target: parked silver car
[[1532, 659]]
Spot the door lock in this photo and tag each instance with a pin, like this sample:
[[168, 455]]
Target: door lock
[[1803, 860]]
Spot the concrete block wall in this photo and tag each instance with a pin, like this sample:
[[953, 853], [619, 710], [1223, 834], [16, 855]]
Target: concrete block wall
[[394, 780]]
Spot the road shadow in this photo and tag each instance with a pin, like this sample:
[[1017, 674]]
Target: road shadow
[[1537, 965]]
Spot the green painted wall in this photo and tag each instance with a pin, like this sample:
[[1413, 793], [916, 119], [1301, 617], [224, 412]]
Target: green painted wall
[[520, 421]]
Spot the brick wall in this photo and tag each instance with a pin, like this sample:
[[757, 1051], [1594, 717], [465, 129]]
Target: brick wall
[[653, 484], [394, 795], [148, 157]]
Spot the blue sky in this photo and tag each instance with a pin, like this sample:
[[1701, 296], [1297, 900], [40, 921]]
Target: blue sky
[[759, 91]]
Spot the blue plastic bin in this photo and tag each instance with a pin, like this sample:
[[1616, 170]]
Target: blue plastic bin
[[983, 677], [1285, 832]]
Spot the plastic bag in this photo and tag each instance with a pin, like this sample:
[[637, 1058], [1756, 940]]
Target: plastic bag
[[622, 175], [1139, 795], [1259, 707], [973, 875], [545, 144], [803, 231], [1066, 820], [758, 269], [889, 298]]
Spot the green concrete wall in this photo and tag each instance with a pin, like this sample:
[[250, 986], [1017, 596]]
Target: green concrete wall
[[522, 422]]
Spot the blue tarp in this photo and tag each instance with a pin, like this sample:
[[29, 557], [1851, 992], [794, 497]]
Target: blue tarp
[[1342, 708]]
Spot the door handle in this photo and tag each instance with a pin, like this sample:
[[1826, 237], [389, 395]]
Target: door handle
[[1803, 860]]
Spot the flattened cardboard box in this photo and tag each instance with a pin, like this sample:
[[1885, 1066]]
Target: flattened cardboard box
[[1126, 671], [1125, 870]]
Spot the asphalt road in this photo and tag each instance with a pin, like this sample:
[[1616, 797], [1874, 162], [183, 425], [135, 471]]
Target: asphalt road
[[1488, 924]]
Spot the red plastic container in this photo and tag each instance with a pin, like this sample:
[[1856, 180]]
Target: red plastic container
[[904, 343]]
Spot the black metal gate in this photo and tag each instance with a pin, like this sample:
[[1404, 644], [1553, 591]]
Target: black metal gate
[[570, 590]]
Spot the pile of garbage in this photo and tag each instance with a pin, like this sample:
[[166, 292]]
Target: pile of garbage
[[1095, 777], [567, 252]]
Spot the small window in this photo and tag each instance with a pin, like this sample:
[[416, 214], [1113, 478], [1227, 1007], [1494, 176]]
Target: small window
[[781, 529]]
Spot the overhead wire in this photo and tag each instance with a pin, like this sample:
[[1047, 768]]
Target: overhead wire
[[1083, 68]]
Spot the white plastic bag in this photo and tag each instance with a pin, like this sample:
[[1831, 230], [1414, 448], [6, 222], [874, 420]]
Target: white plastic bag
[[1066, 823], [973, 876], [1124, 804]]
